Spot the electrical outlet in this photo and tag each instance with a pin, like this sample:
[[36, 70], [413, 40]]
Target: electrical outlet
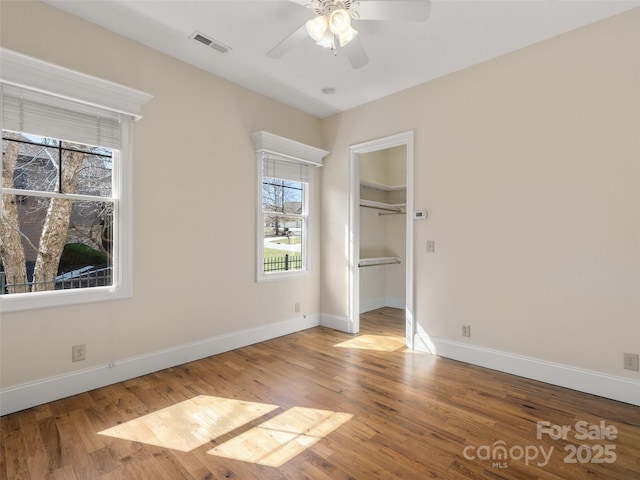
[[466, 330], [296, 306], [78, 352], [631, 361]]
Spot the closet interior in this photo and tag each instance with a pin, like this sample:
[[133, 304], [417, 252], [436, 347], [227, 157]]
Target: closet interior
[[383, 195]]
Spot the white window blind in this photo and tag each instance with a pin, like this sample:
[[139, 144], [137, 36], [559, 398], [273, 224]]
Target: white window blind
[[30, 111], [274, 166]]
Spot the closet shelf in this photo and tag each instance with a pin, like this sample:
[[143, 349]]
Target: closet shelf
[[380, 186], [378, 261]]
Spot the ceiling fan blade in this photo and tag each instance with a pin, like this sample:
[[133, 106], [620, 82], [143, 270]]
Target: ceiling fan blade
[[356, 54], [288, 43], [394, 10]]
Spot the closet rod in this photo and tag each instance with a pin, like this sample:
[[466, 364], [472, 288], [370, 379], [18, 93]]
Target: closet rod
[[395, 210], [391, 213]]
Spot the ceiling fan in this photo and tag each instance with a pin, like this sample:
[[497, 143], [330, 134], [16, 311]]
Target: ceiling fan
[[332, 28]]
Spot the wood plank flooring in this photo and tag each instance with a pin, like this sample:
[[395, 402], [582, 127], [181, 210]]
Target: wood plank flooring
[[325, 405]]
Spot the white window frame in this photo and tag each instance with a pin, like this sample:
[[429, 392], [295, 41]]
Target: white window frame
[[305, 271], [270, 145], [61, 83]]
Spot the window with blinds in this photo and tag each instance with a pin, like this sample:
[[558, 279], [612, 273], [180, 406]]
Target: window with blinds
[[59, 212], [284, 215], [284, 220], [65, 224], [25, 110]]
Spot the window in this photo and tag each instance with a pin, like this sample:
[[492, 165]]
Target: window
[[58, 215], [65, 224], [285, 182], [284, 214]]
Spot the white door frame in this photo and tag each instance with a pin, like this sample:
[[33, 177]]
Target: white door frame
[[405, 138]]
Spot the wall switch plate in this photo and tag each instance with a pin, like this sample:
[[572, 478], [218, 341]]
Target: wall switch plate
[[78, 352], [631, 361], [431, 246], [296, 307]]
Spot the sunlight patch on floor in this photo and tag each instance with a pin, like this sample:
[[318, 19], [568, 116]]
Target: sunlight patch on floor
[[278, 440], [188, 425], [383, 343]]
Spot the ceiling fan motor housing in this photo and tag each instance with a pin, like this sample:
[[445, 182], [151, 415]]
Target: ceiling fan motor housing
[[326, 7]]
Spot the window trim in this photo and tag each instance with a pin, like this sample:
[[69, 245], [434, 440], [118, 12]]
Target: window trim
[[268, 144], [305, 271], [58, 82], [35, 74]]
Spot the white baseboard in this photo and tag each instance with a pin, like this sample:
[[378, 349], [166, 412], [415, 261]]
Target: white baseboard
[[371, 304], [28, 395], [588, 381], [335, 322], [395, 302], [375, 303]]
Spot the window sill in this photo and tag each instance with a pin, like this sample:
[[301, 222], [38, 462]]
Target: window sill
[[60, 298], [275, 277]]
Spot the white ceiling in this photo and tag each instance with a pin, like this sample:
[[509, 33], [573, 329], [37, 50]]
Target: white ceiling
[[456, 35]]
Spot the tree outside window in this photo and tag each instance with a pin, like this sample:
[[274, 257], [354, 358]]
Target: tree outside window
[[56, 223], [284, 223]]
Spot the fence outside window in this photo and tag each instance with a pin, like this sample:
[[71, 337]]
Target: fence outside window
[[103, 276], [81, 278], [281, 264]]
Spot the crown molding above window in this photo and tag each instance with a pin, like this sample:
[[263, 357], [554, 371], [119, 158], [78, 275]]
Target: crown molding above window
[[289, 149], [32, 73]]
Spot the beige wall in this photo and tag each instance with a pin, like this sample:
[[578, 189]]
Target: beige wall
[[194, 211], [385, 167], [529, 166]]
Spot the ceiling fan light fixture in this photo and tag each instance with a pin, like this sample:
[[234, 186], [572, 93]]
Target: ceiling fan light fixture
[[347, 36], [339, 21], [317, 27], [328, 40]]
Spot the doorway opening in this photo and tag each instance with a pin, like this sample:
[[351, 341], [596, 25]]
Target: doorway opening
[[381, 229]]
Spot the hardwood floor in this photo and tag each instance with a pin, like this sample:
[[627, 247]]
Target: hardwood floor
[[321, 404]]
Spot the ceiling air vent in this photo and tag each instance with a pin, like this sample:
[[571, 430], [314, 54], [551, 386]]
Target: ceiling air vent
[[210, 42]]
